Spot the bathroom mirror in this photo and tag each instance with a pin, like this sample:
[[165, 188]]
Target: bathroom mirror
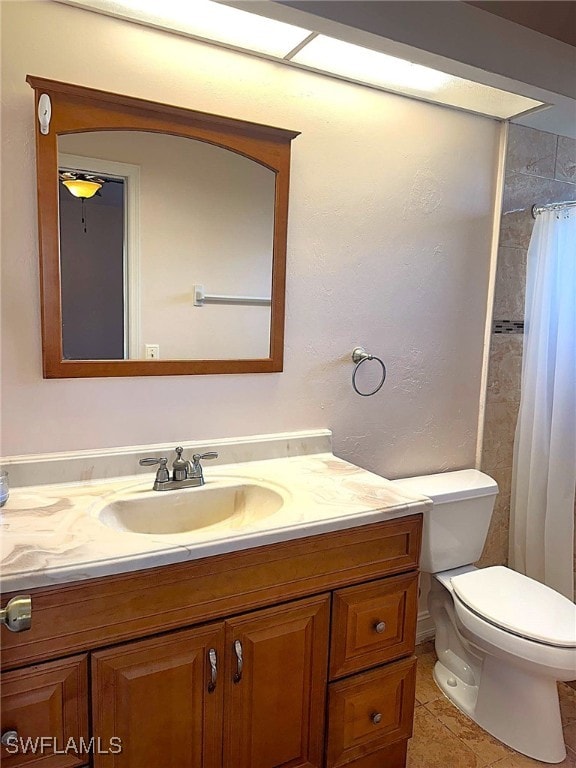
[[169, 257]]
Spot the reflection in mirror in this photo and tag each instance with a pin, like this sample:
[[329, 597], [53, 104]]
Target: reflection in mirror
[[93, 272], [172, 213]]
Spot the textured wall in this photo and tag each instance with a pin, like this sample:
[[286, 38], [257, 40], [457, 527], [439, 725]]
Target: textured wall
[[540, 168], [389, 246]]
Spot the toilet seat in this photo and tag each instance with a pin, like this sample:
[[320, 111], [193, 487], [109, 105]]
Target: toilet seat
[[518, 604]]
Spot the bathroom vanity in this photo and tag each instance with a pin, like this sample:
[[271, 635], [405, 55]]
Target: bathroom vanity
[[282, 643]]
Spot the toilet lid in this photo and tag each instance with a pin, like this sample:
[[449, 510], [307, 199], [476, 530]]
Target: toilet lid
[[516, 603]]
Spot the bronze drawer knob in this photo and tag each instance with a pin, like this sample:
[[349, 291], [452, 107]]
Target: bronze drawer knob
[[379, 627]]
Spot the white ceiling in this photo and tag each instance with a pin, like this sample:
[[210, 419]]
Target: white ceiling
[[453, 37]]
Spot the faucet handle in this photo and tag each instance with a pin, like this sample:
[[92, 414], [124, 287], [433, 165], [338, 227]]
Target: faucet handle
[[200, 456], [149, 462], [195, 469], [162, 475]]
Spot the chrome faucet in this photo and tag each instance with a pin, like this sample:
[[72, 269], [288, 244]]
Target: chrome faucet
[[185, 474]]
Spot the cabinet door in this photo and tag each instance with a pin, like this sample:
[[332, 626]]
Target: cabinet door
[[46, 706], [156, 696], [275, 695]]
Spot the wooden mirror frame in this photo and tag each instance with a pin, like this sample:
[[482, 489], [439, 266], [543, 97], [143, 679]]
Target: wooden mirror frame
[[76, 109]]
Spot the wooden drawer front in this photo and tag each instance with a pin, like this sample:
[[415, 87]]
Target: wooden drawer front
[[393, 756], [51, 701], [373, 623], [370, 711]]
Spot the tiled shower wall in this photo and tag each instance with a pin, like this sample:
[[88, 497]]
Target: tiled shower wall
[[540, 168]]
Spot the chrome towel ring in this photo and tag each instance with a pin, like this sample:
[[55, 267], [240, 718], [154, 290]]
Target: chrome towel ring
[[359, 356]]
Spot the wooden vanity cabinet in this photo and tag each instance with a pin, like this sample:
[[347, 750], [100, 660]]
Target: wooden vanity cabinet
[[313, 641]]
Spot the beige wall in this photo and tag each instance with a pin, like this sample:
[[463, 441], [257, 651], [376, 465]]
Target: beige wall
[[540, 168], [388, 246]]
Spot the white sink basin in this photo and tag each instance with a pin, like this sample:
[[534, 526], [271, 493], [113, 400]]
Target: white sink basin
[[235, 505]]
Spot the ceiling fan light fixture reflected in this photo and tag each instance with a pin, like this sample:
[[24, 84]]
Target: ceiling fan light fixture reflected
[[82, 188]]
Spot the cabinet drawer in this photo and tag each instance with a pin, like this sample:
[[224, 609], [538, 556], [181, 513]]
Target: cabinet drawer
[[370, 711], [47, 705], [373, 623], [393, 756]]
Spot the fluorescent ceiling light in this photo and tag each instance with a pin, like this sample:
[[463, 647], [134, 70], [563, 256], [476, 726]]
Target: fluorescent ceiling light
[[206, 20], [362, 65], [367, 66], [226, 25]]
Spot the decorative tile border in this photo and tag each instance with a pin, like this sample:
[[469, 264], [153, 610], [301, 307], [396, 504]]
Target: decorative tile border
[[508, 326]]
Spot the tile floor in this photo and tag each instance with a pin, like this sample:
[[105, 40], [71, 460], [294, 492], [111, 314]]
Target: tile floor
[[445, 738]]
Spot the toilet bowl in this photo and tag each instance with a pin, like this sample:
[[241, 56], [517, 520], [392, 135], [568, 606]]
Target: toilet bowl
[[502, 639]]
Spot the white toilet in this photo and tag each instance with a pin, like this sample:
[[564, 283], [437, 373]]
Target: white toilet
[[502, 639]]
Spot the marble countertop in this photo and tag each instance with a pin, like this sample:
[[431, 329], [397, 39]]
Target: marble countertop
[[52, 534]]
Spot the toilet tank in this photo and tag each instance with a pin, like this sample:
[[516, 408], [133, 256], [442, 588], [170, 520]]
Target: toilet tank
[[456, 527]]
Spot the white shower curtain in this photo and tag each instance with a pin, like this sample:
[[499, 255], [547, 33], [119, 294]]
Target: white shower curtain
[[544, 468]]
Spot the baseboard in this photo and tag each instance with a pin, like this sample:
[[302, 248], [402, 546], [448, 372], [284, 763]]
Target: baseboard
[[424, 627]]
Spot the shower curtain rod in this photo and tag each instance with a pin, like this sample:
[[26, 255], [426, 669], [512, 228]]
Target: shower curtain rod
[[536, 209]]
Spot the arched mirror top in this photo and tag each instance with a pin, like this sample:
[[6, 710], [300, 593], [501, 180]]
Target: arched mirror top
[[242, 250]]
